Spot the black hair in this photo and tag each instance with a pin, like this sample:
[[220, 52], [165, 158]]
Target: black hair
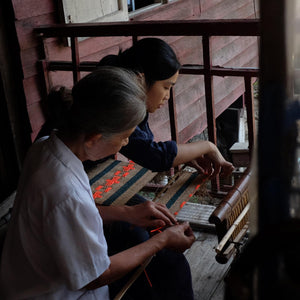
[[151, 56]]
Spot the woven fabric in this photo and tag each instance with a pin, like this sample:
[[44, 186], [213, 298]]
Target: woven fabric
[[114, 182]]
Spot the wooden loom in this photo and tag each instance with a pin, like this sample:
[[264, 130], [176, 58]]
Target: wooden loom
[[231, 219], [114, 182]]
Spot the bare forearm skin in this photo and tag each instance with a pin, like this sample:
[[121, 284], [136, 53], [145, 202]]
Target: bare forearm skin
[[127, 260], [190, 151]]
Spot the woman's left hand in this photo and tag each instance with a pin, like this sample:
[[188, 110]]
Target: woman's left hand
[[150, 215], [218, 162], [202, 164]]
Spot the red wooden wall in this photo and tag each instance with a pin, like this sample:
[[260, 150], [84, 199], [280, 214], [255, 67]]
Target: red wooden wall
[[189, 90]]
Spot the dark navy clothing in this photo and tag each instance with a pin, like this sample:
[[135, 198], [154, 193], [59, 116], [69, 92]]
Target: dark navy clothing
[[143, 150], [169, 271]]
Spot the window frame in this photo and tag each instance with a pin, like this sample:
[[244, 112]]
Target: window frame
[[67, 8]]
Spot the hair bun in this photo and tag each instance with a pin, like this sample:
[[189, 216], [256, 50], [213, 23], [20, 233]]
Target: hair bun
[[110, 60]]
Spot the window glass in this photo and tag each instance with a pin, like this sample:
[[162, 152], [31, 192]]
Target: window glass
[[137, 4]]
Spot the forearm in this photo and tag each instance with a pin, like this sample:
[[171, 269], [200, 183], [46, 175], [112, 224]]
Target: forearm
[[190, 151], [147, 214], [127, 260], [113, 213]]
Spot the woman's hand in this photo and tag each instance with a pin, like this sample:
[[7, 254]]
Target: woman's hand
[[218, 163], [179, 237], [202, 164], [204, 156], [150, 215]]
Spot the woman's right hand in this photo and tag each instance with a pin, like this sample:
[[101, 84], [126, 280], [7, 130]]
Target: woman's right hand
[[205, 157], [219, 164], [179, 237]]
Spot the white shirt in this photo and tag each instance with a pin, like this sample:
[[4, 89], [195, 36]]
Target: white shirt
[[55, 243]]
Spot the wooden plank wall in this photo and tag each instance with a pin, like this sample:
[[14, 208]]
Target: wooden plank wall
[[189, 90]]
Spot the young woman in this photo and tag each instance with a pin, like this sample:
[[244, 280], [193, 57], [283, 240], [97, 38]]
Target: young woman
[[55, 247], [155, 61]]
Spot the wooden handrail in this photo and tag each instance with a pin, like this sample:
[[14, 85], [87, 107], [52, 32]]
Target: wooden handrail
[[230, 27], [88, 66], [134, 29]]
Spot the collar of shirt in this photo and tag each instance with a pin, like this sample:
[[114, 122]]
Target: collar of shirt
[[69, 159]]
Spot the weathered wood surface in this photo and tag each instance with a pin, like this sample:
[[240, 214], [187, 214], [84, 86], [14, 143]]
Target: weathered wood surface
[[207, 273], [192, 118]]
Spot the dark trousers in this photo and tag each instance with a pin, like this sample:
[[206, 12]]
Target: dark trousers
[[168, 271]]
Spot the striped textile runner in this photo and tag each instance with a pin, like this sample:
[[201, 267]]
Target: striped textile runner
[[114, 182], [179, 190]]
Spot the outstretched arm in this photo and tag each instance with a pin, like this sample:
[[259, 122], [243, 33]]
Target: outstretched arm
[[204, 156]]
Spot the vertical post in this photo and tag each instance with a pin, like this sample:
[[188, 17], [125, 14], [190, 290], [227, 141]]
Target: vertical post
[[209, 95], [173, 117], [75, 59], [44, 68], [44, 71], [210, 105], [173, 122], [273, 82], [273, 202], [134, 39], [250, 113]]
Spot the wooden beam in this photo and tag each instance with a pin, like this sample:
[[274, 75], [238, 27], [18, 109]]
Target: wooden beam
[[89, 66], [235, 27]]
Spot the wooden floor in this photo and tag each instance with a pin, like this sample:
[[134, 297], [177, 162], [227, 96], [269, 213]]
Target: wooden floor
[[207, 273]]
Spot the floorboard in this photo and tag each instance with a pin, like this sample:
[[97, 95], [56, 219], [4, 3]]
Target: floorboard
[[207, 273]]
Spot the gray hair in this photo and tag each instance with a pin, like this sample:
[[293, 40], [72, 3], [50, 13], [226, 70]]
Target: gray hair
[[109, 100]]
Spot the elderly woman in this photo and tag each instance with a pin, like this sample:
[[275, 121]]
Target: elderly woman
[[55, 247]]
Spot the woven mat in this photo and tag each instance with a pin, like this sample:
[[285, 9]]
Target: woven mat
[[114, 182], [179, 191]]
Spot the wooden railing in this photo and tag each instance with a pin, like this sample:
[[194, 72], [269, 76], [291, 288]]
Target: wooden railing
[[204, 28]]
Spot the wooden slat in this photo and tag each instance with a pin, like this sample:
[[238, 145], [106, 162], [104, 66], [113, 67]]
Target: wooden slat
[[194, 69], [207, 273], [28, 8], [238, 193], [230, 231], [231, 248], [225, 9], [231, 217], [174, 10]]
